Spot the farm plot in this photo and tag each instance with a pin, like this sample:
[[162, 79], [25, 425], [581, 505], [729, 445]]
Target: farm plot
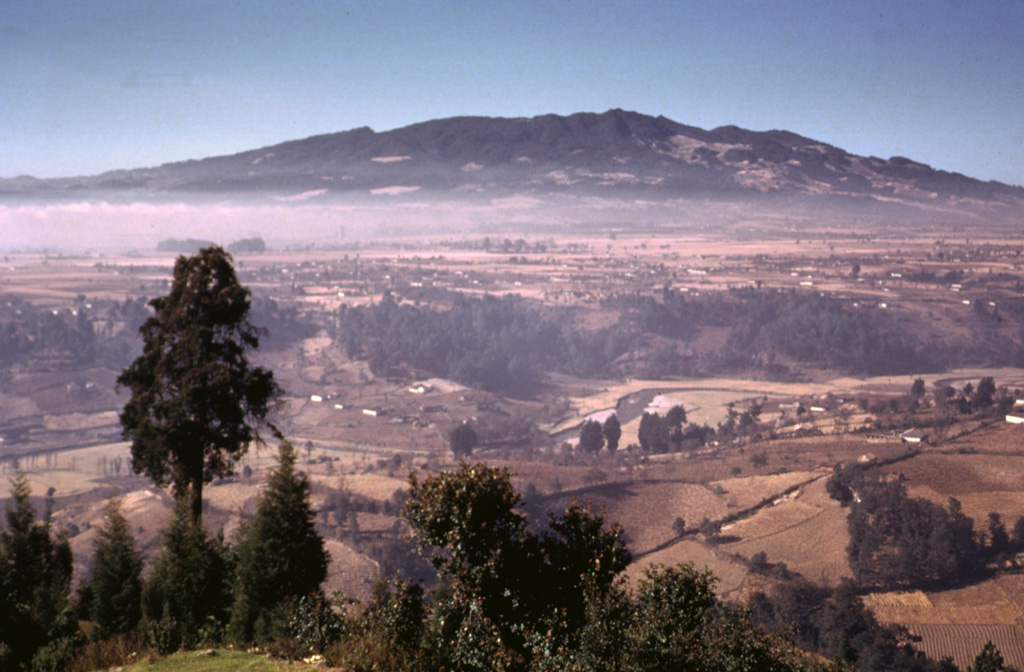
[[963, 642], [808, 533], [729, 573], [743, 493], [647, 510], [958, 622], [982, 483]]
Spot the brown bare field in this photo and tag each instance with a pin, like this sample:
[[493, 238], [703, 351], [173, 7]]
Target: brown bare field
[[808, 533], [647, 510], [743, 493], [982, 483], [729, 573]]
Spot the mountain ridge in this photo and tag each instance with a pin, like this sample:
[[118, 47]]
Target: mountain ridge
[[616, 154]]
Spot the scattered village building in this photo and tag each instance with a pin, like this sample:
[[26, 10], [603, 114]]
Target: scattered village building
[[914, 435]]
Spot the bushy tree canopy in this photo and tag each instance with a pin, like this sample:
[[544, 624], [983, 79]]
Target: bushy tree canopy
[[195, 398]]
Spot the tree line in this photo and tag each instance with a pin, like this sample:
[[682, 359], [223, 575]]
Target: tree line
[[898, 542], [506, 344]]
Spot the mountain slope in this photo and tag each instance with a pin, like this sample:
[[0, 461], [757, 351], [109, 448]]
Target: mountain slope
[[617, 154]]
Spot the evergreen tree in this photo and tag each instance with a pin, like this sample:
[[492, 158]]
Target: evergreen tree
[[653, 433], [612, 432], [591, 437], [116, 583], [35, 580], [989, 659], [281, 556], [462, 441], [188, 587], [195, 399]]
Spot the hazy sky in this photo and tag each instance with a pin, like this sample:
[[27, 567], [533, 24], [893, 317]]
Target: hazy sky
[[88, 86]]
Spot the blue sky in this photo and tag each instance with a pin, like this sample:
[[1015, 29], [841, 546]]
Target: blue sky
[[91, 86]]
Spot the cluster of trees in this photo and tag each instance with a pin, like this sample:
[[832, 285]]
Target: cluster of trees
[[506, 344], [594, 435], [199, 588], [27, 330], [834, 623], [901, 542], [513, 598], [36, 621], [497, 344], [509, 595], [816, 329]]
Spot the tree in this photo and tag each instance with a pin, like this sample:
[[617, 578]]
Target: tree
[[505, 582], [653, 433], [116, 583], [989, 659], [463, 440], [187, 588], [196, 401], [591, 437], [917, 389], [984, 394], [35, 580], [281, 556], [676, 417], [672, 605], [612, 432]]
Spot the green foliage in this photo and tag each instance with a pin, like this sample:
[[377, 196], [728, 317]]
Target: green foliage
[[316, 625], [497, 344], [612, 432], [462, 441], [591, 437], [989, 659], [900, 542], [835, 624], [504, 580], [397, 613], [280, 555], [672, 605], [653, 433], [186, 596], [35, 578], [195, 399], [818, 329], [116, 583]]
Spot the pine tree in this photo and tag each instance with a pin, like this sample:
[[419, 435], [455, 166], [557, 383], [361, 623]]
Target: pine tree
[[612, 432], [281, 556], [188, 587], [116, 583], [35, 580], [591, 437]]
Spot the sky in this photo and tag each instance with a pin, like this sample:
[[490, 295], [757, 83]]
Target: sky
[[90, 86]]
